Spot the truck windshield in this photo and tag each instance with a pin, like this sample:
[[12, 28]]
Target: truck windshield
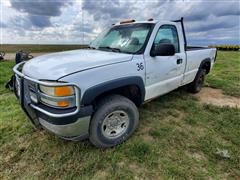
[[130, 38]]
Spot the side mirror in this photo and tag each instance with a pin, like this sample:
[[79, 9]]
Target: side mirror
[[163, 50]]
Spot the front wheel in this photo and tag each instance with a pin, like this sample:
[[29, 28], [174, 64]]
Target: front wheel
[[198, 82], [115, 119]]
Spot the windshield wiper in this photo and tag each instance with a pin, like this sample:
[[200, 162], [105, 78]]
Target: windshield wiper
[[110, 48], [91, 47]]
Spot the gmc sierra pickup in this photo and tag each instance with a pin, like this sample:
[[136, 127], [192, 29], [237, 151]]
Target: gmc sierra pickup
[[95, 92]]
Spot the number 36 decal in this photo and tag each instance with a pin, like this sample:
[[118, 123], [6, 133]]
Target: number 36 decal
[[140, 66]]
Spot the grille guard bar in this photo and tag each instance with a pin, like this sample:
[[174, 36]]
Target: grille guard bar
[[51, 84]]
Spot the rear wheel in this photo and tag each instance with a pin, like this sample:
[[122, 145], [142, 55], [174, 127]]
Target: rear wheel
[[115, 119], [198, 82]]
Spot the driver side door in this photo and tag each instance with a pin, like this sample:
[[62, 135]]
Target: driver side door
[[164, 73]]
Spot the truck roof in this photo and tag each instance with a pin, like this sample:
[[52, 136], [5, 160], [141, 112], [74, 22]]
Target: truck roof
[[132, 21]]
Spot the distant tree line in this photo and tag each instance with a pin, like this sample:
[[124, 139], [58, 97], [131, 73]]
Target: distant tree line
[[226, 47]]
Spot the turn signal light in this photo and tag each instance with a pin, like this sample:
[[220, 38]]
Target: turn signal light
[[63, 91], [63, 103]]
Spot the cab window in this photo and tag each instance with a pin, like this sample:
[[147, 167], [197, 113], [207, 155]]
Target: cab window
[[167, 34]]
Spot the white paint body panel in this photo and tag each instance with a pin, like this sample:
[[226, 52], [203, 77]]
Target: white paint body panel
[[95, 76], [163, 74], [55, 65], [194, 59]]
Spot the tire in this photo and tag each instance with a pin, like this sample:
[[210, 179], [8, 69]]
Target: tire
[[115, 120], [198, 82]]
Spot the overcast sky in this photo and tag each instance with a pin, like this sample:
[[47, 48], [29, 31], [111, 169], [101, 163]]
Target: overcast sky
[[79, 21]]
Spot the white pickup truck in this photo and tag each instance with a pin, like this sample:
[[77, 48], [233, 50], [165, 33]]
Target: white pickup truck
[[95, 92]]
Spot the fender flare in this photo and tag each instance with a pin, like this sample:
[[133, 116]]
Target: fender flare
[[94, 91], [207, 60]]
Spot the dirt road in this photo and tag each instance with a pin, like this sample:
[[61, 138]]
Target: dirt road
[[11, 56], [216, 97]]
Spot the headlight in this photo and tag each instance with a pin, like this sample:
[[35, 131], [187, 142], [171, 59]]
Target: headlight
[[57, 91], [59, 96]]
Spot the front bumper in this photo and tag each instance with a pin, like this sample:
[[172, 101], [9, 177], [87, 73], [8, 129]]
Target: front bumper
[[71, 124], [74, 127], [74, 131]]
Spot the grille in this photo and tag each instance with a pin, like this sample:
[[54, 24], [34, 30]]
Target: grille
[[32, 86], [32, 90]]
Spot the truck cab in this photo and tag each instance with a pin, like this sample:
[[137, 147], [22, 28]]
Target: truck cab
[[94, 93]]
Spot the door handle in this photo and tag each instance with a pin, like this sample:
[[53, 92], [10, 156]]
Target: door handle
[[179, 61]]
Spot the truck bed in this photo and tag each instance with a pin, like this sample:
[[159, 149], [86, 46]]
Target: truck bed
[[193, 48], [195, 56]]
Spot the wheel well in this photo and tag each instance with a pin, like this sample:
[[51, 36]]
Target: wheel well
[[206, 65], [131, 92]]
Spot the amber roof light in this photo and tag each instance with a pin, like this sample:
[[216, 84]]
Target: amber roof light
[[127, 21]]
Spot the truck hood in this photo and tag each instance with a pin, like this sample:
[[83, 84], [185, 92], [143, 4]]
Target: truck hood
[[56, 65]]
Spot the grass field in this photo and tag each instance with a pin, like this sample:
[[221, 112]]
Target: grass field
[[226, 73], [177, 138], [12, 48]]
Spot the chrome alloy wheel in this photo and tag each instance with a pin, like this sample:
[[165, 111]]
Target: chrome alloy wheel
[[115, 124]]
